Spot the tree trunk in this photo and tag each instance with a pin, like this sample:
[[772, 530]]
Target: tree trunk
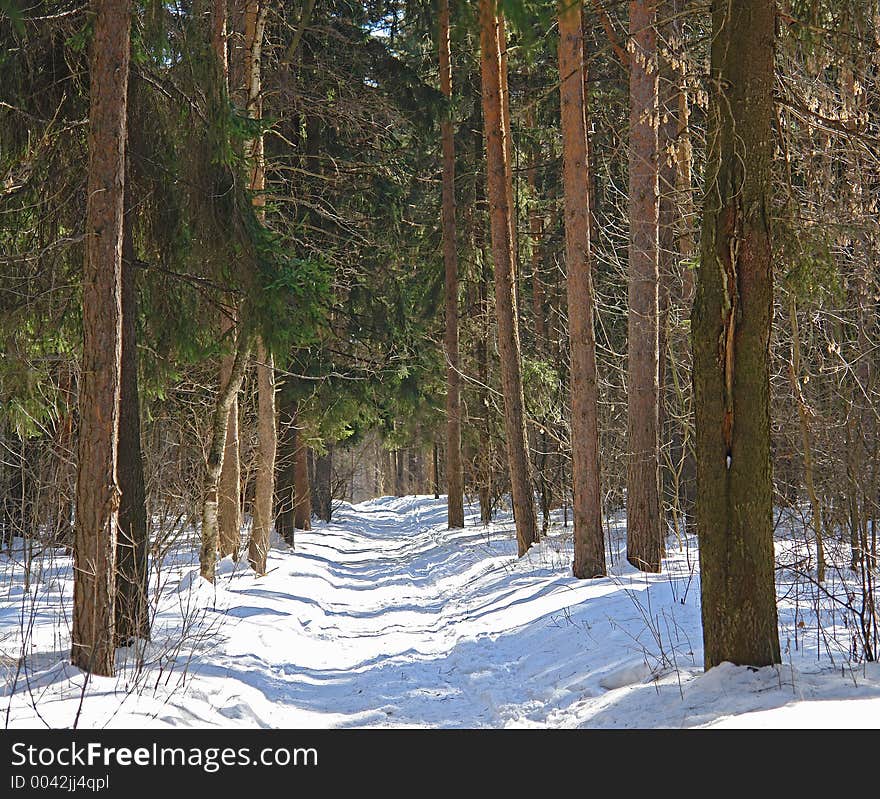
[[267, 432], [132, 564], [264, 491], [302, 503], [284, 488], [644, 537], [484, 457], [323, 488], [454, 468], [500, 205], [731, 332], [210, 508], [97, 490], [589, 542], [230, 478], [229, 509]]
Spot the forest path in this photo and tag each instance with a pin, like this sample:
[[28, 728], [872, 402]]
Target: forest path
[[386, 618]]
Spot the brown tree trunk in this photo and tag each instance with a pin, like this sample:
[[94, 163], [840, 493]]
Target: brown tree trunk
[[97, 490], [229, 508], [500, 205], [399, 489], [132, 564], [267, 432], [589, 542], [323, 492], [731, 332], [644, 537], [264, 490], [454, 468]]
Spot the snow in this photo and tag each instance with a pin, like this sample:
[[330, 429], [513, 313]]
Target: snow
[[385, 618]]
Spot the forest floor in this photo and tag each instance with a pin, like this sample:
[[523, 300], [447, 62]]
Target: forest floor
[[385, 618]]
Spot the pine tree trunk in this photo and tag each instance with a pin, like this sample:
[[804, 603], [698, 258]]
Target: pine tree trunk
[[97, 490], [454, 468], [731, 330], [644, 537], [589, 542], [500, 208], [132, 564]]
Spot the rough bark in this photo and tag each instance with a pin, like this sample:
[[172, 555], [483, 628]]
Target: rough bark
[[589, 543], [97, 490], [500, 209], [454, 467], [264, 489], [731, 331], [132, 564], [644, 536]]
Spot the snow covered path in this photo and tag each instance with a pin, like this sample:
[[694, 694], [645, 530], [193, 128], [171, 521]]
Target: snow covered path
[[385, 618]]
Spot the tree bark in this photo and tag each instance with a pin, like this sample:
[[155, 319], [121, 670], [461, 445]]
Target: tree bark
[[229, 513], [644, 536], [731, 332], [132, 563], [97, 489], [500, 207], [264, 491], [229, 508], [589, 542], [210, 508], [454, 468], [267, 431]]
